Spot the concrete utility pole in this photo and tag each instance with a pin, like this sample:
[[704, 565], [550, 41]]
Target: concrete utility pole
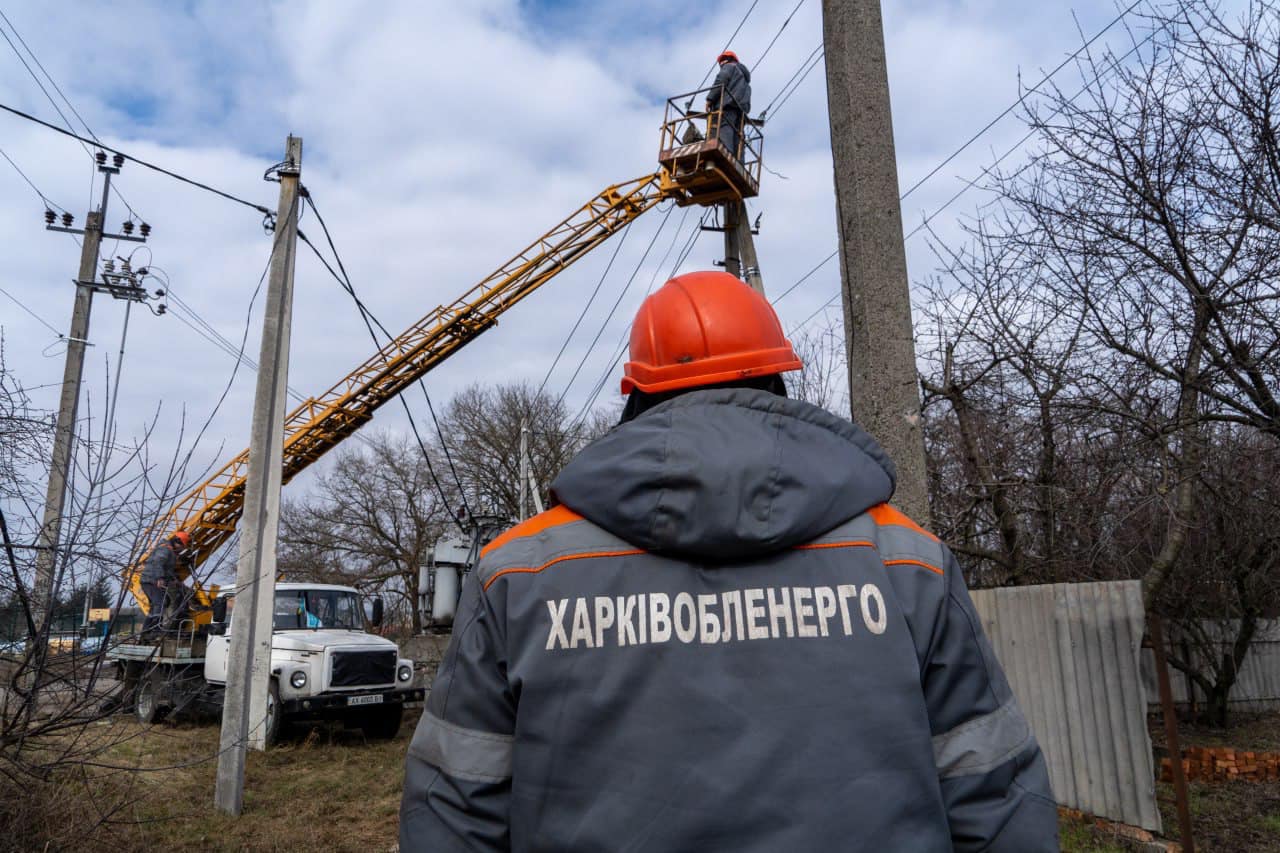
[[72, 371], [524, 469], [244, 712], [65, 428], [739, 248], [883, 386]]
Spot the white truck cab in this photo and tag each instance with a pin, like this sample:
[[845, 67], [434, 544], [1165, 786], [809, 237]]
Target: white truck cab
[[323, 663]]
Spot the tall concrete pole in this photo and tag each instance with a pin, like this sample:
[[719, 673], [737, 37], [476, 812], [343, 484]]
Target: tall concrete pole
[[244, 711], [740, 258], [64, 431], [524, 469], [883, 387]]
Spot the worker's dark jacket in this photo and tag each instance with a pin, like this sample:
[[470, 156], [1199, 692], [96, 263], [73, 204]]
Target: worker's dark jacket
[[731, 89], [161, 565], [723, 640]]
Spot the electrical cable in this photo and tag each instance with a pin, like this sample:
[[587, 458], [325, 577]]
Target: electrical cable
[[622, 341], [807, 72], [986, 170], [760, 59], [369, 321], [630, 280], [47, 75], [576, 422], [57, 88], [40, 319], [689, 244], [145, 164], [1014, 105], [797, 73], [582, 314], [244, 338], [48, 203], [804, 277], [736, 30]]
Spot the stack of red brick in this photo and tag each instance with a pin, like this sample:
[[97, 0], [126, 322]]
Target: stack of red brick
[[1224, 764]]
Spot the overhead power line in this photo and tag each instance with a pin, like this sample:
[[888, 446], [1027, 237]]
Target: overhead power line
[[583, 313], [54, 103], [609, 317], [40, 319], [49, 203], [986, 170], [798, 72], [370, 321], [1014, 105], [822, 263], [812, 65], [736, 30], [758, 60], [145, 164], [49, 76], [580, 417]]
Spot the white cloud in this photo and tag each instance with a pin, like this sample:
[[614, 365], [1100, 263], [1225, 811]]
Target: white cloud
[[439, 139]]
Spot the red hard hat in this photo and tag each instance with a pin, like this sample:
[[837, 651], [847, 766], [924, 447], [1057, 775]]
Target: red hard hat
[[704, 328], [728, 54], [182, 536]]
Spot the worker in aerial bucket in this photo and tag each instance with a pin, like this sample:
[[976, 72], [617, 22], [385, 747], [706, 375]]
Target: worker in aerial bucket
[[722, 638], [731, 94], [160, 578]]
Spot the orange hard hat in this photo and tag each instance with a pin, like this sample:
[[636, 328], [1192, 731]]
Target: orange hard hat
[[728, 54], [182, 536], [704, 328]]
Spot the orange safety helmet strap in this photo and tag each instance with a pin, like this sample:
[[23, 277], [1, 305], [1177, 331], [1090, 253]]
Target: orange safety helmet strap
[[705, 328]]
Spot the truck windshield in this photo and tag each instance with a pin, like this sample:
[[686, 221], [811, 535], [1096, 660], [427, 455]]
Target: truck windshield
[[317, 608]]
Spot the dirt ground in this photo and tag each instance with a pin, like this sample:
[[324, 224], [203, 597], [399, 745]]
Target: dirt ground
[[1227, 816]]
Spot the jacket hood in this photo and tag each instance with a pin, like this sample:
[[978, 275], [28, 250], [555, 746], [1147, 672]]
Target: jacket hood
[[721, 474]]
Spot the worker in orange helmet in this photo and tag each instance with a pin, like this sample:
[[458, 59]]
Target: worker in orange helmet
[[730, 93], [723, 638], [160, 578]]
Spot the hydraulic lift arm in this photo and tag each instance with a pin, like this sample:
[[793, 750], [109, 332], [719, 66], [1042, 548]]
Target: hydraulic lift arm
[[694, 168], [211, 510]]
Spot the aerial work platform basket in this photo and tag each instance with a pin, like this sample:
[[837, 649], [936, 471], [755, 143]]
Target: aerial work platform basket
[[701, 160]]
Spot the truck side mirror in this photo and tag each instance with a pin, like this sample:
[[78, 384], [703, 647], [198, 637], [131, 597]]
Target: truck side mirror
[[376, 619], [219, 610]]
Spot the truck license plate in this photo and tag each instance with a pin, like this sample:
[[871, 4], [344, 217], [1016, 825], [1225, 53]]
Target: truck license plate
[[364, 700]]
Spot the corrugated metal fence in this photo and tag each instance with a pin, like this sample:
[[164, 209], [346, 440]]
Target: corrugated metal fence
[[1257, 686], [1071, 652]]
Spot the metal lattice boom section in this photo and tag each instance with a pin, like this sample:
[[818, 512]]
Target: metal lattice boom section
[[211, 510]]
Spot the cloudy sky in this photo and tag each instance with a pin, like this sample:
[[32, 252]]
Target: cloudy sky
[[441, 138]]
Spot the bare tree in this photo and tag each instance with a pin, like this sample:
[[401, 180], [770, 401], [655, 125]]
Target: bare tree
[[370, 522], [1109, 320], [822, 381], [482, 429]]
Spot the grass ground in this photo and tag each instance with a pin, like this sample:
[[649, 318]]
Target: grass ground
[[1078, 838], [326, 789], [323, 789]]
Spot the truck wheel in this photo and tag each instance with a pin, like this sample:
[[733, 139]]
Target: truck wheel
[[382, 723], [128, 675], [147, 702], [272, 734]]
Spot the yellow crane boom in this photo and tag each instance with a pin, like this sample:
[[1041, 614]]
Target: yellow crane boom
[[701, 172]]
